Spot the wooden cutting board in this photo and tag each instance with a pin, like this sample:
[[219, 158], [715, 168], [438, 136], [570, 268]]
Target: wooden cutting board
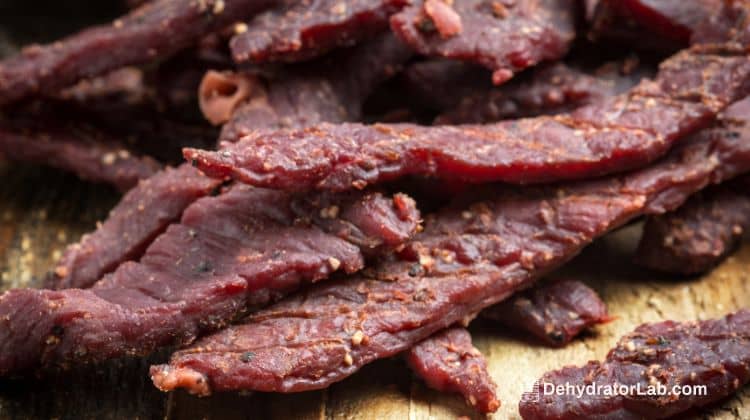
[[42, 210]]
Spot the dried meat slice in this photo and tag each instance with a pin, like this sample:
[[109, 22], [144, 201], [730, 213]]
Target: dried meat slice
[[155, 30], [621, 133], [235, 251], [699, 235], [449, 362], [663, 25], [303, 29], [85, 151], [330, 90], [548, 90], [504, 36], [674, 356], [554, 312], [142, 215], [470, 256]]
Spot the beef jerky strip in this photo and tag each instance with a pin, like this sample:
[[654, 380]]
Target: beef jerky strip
[[554, 312], [468, 258], [699, 235], [240, 249], [154, 30], [331, 90], [548, 90], [449, 362], [89, 153], [713, 353], [621, 133], [303, 29], [662, 25], [142, 215], [504, 36]]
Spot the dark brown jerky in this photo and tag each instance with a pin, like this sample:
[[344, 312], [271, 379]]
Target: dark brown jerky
[[554, 312], [713, 353], [142, 215], [441, 84], [663, 25], [699, 235], [449, 362], [304, 29], [155, 30], [89, 153], [504, 36], [469, 257], [620, 133], [548, 90], [240, 249], [330, 90]]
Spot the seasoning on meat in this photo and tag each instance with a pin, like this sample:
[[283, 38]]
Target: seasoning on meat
[[554, 312], [469, 257], [140, 216], [238, 250], [696, 237], [89, 153], [330, 90], [713, 353], [449, 362], [152, 31], [304, 29], [699, 235], [548, 90], [504, 36], [623, 132]]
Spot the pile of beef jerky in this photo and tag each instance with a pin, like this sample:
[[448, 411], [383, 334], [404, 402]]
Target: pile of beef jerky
[[326, 219]]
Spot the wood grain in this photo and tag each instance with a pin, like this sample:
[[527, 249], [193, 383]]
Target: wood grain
[[41, 210]]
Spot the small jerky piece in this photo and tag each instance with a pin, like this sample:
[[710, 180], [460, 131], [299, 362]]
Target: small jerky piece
[[303, 29], [142, 215], [89, 153], [699, 235], [155, 30], [713, 353], [554, 312], [235, 251], [504, 36], [449, 362], [548, 90], [663, 25], [621, 133], [469, 256], [329, 90]]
